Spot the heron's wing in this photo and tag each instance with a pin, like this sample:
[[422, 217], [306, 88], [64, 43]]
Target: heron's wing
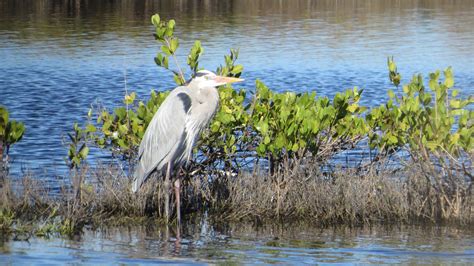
[[164, 136]]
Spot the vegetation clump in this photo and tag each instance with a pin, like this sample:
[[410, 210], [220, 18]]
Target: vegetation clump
[[11, 131], [272, 156]]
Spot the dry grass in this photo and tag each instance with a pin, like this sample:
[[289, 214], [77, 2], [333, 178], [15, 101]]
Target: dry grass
[[347, 197], [342, 197]]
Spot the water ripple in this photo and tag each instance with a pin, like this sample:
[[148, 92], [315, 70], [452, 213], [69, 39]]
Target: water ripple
[[57, 61]]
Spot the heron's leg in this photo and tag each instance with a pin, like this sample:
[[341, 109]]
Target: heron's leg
[[167, 192], [177, 243], [177, 190]]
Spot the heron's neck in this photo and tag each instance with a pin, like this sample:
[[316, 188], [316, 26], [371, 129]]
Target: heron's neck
[[207, 95]]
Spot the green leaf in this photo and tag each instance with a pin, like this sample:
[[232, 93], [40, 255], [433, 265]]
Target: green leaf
[[84, 152], [392, 139], [432, 145], [76, 161], [449, 79], [122, 144], [171, 24], [14, 132], [295, 147], [178, 79], [455, 104], [266, 140], [264, 127], [169, 32], [91, 128], [237, 69], [155, 20], [121, 112], [174, 44], [129, 99], [123, 129], [159, 59], [392, 67], [3, 119], [166, 50], [391, 94], [352, 108], [454, 93], [261, 149], [215, 126], [405, 89], [280, 141]]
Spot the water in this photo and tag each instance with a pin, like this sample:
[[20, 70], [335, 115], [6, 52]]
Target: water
[[242, 244], [58, 57]]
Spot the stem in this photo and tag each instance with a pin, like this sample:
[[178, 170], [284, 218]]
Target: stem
[[176, 61], [126, 93], [2, 168], [1, 150], [127, 108]]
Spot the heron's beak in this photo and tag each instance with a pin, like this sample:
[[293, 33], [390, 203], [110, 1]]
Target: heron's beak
[[227, 80]]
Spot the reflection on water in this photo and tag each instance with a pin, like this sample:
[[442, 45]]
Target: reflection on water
[[60, 56], [246, 244]]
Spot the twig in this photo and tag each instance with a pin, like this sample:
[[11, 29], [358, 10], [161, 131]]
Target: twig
[[176, 61]]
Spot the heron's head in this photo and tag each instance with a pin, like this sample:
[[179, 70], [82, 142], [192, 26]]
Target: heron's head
[[206, 78]]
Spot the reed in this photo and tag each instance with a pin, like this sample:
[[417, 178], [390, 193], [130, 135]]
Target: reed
[[301, 194]]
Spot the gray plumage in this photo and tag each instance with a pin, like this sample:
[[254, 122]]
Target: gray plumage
[[174, 129]]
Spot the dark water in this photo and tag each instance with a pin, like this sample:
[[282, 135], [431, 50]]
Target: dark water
[[203, 244], [58, 57]]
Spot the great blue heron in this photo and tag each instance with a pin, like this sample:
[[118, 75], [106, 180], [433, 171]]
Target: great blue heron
[[169, 139]]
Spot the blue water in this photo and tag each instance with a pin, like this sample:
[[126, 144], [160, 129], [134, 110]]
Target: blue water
[[57, 58], [242, 244]]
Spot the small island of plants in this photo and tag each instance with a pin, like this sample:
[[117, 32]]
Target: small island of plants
[[267, 157]]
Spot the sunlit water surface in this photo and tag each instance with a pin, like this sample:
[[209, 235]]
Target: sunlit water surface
[[202, 244], [57, 57]]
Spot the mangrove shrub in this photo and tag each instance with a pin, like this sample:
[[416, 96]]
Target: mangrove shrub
[[11, 131], [285, 128], [433, 121]]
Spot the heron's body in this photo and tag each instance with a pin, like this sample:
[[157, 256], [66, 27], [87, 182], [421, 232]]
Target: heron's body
[[170, 137]]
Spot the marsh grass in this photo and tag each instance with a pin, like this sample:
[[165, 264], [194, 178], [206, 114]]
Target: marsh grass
[[101, 196], [348, 197]]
